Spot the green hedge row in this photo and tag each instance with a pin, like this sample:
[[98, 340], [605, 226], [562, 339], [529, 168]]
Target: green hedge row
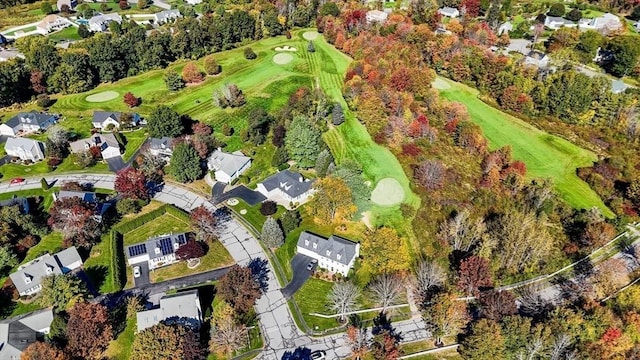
[[118, 265]]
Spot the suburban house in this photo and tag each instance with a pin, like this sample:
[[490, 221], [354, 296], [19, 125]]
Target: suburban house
[[100, 23], [335, 254], [21, 331], [52, 23], [228, 166], [182, 308], [109, 146], [102, 119], [21, 202], [166, 16], [161, 147], [536, 58], [285, 187], [70, 3], [605, 23], [25, 149], [29, 276], [556, 22], [376, 16], [449, 12], [88, 197], [27, 122], [156, 252]]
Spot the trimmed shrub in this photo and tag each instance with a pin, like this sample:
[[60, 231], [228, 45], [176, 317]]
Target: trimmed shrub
[[249, 54], [268, 208], [556, 9]]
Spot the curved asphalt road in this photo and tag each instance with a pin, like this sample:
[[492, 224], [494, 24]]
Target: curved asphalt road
[[278, 328]]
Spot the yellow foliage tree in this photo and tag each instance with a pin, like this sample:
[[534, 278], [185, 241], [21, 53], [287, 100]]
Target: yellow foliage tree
[[384, 251], [332, 201]]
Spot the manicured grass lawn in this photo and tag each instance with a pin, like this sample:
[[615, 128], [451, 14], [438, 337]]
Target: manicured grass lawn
[[25, 30], [120, 348], [69, 33], [312, 297], [135, 139], [164, 224], [253, 215], [13, 170], [46, 195], [546, 156], [216, 257], [50, 243]]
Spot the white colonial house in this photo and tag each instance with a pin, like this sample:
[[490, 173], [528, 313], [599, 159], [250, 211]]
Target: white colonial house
[[157, 252], [25, 149], [605, 24], [556, 22], [52, 23], [286, 187], [29, 276], [165, 16], [183, 308], [100, 23], [335, 254], [228, 166]]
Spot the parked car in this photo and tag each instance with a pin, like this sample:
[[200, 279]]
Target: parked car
[[318, 355], [17, 181], [136, 271], [312, 264]]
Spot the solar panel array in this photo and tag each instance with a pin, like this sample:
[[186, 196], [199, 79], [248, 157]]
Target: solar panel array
[[139, 249], [166, 246], [181, 239]]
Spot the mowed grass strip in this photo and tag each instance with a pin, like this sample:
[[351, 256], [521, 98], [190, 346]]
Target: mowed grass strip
[[546, 155]]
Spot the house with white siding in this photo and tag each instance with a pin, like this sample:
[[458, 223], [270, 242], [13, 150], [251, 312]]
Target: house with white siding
[[29, 276], [335, 254]]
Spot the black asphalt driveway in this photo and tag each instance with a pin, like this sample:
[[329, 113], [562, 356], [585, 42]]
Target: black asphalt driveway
[[300, 275], [242, 192], [116, 163], [144, 275]]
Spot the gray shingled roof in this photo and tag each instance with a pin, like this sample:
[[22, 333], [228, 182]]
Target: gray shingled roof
[[32, 146], [19, 332], [229, 163], [29, 118], [43, 266], [22, 202], [335, 244], [101, 116], [180, 308], [101, 140], [160, 144], [167, 14], [292, 184], [82, 195]]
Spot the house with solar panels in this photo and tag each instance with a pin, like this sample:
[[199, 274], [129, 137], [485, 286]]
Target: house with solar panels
[[157, 252]]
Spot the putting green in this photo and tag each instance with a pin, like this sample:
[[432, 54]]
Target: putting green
[[282, 58], [102, 96], [440, 84], [310, 35], [388, 192]]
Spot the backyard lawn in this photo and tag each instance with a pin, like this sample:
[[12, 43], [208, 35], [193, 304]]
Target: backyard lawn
[[546, 155], [164, 224], [135, 139], [120, 348], [69, 33], [217, 256]]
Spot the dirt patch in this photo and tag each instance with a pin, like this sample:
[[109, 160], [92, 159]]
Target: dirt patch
[[102, 96], [388, 192], [282, 58], [310, 35]]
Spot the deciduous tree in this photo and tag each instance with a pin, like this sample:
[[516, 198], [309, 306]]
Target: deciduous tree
[[322, 163], [485, 342], [191, 74], [185, 163], [238, 288], [495, 305], [386, 289], [385, 344], [429, 279], [7, 259], [131, 183], [332, 200], [88, 330], [58, 290], [229, 96], [43, 351], [445, 316], [131, 100], [204, 223], [430, 174], [358, 340], [190, 250], [342, 298], [227, 335], [272, 235], [384, 251], [474, 275], [290, 220], [167, 342], [76, 220], [211, 67]]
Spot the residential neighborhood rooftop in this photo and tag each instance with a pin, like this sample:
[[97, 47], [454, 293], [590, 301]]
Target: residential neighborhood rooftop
[[19, 332], [28, 277], [335, 247], [289, 182], [183, 308]]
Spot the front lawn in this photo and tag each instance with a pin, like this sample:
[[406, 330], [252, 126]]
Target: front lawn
[[312, 297], [217, 256], [135, 139], [50, 243], [69, 33], [120, 348], [165, 224], [253, 215]]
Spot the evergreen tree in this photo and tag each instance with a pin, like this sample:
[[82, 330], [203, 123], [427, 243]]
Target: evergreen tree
[[185, 163], [303, 141], [272, 235], [164, 122], [322, 163], [290, 220], [173, 80]]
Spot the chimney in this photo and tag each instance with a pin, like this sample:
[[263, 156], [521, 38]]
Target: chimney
[[301, 179]]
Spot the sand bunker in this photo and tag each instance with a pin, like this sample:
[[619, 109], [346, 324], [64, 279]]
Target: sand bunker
[[440, 84], [286, 48], [310, 35], [282, 58], [388, 192], [102, 96]]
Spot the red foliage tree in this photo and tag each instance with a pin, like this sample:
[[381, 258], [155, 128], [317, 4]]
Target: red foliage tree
[[612, 334], [132, 184], [123, 4], [76, 220], [204, 224], [472, 7], [401, 79], [411, 149], [495, 305], [474, 274], [238, 288], [95, 153], [340, 39], [190, 250], [43, 351], [451, 126], [430, 174], [38, 82], [131, 100], [201, 129], [519, 167], [88, 330], [191, 74]]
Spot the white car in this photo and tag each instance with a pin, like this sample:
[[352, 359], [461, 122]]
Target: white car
[[136, 271], [318, 355]]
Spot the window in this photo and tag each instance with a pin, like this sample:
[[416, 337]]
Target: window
[[315, 245], [338, 256], [306, 243], [328, 252]]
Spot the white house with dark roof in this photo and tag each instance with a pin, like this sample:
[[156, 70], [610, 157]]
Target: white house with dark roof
[[25, 149], [109, 146], [102, 119], [449, 12], [335, 254], [285, 187], [27, 122], [228, 166], [183, 308], [21, 331], [165, 16], [101, 22], [29, 276], [156, 252], [161, 147]]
